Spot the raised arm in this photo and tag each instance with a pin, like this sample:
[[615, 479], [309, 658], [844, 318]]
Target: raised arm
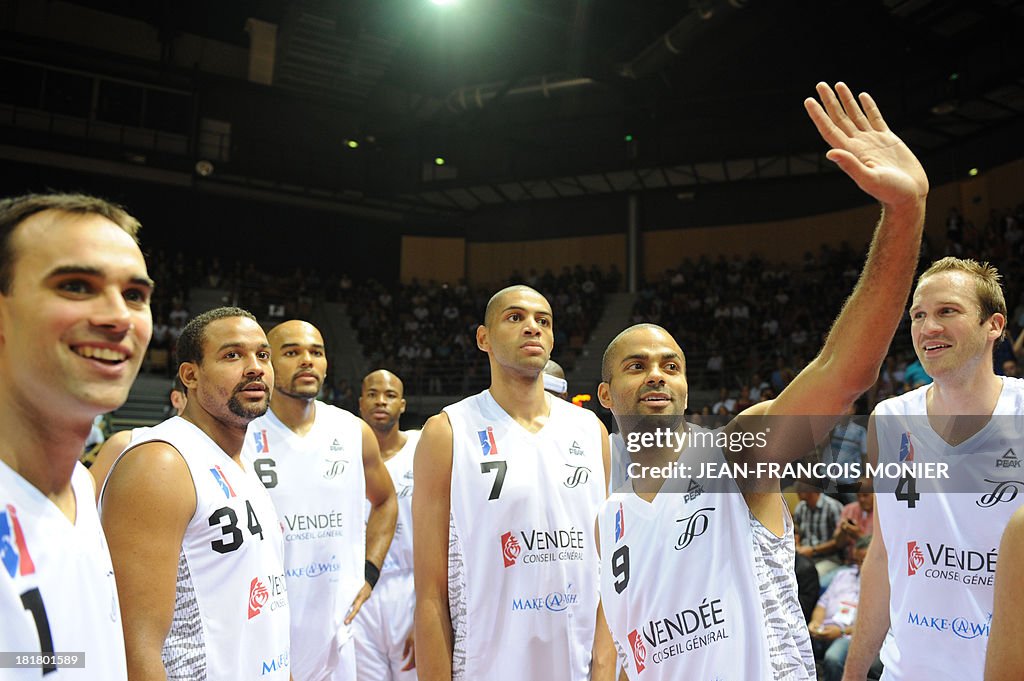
[[145, 510], [881, 165], [431, 508], [380, 526]]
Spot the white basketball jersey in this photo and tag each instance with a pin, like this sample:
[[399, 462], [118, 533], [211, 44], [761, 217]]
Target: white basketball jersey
[[400, 468], [943, 546], [57, 591], [231, 606], [678, 582], [319, 489], [522, 565]]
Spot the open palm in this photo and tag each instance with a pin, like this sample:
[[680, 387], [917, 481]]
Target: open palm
[[864, 147]]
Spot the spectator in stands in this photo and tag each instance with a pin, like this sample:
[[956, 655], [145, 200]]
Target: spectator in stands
[[816, 517], [856, 518], [832, 623]]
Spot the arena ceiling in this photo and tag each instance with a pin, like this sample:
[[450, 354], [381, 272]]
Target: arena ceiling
[[530, 100]]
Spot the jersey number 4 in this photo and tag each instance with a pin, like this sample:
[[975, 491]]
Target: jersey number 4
[[231, 529], [906, 490]]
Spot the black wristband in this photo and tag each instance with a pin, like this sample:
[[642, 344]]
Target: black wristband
[[372, 574]]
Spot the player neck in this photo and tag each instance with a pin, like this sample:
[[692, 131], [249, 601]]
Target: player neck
[[975, 394], [391, 442], [228, 436], [43, 449], [523, 398], [298, 413]]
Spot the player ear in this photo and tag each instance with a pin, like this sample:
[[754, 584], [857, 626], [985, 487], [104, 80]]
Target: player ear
[[604, 395], [996, 325], [482, 341], [187, 374], [401, 409]]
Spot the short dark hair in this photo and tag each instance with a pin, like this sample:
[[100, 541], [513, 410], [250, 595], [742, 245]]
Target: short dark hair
[[15, 210], [190, 342], [609, 352]]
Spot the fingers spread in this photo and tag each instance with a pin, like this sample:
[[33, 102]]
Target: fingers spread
[[834, 109], [874, 116], [828, 131], [851, 107]]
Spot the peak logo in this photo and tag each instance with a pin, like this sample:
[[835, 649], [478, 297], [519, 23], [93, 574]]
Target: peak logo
[[510, 549], [1008, 460], [915, 558], [258, 597], [575, 449], [636, 644], [488, 446]]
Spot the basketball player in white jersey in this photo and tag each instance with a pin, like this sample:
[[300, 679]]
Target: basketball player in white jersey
[[74, 326], [508, 589], [697, 576], [195, 540], [928, 578], [385, 648], [119, 441], [321, 465]]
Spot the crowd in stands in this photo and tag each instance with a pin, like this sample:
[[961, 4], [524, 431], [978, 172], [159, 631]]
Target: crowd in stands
[[427, 332], [747, 325]]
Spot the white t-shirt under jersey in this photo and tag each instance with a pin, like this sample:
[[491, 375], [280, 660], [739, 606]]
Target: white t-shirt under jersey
[[942, 545], [57, 591], [522, 564], [231, 601], [319, 489]]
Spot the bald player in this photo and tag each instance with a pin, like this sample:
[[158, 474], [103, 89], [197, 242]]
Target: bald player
[[385, 648], [697, 571], [119, 441], [508, 483], [554, 380], [321, 464], [74, 325]]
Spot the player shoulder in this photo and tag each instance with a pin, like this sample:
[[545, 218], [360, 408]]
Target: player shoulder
[[911, 402]]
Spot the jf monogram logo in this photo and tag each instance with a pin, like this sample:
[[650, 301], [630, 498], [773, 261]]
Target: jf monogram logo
[[578, 476], [694, 525]]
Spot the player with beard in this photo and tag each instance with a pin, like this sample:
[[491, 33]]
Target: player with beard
[[321, 465], [195, 541], [508, 483], [385, 648], [74, 325], [730, 609]]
